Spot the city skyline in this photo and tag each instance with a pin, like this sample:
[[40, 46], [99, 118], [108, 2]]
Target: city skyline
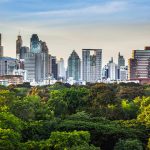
[[74, 25]]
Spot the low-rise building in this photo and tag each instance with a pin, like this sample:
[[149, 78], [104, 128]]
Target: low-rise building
[[12, 79]]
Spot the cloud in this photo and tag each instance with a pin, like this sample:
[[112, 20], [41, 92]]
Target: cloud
[[97, 9]]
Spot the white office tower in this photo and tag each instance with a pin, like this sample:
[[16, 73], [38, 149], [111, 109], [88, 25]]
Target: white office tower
[[123, 73], [91, 65], [112, 71], [36, 65], [61, 69]]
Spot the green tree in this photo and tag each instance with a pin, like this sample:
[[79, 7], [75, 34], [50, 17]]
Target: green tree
[[128, 144], [70, 140], [9, 121], [9, 139], [144, 115]]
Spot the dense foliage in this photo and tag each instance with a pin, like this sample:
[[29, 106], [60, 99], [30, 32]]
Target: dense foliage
[[65, 117]]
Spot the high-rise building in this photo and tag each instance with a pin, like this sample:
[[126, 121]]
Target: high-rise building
[[123, 73], [36, 65], [121, 60], [61, 69], [91, 65], [74, 66], [36, 62], [35, 44], [7, 65], [23, 50], [54, 69], [139, 64], [29, 65], [113, 70], [44, 47], [1, 47], [18, 46]]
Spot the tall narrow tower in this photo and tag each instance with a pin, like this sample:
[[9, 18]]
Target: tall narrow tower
[[18, 46], [1, 47]]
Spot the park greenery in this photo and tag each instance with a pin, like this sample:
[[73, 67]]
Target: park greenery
[[64, 117]]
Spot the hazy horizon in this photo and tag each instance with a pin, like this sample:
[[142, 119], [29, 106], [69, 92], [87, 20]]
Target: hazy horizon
[[118, 25]]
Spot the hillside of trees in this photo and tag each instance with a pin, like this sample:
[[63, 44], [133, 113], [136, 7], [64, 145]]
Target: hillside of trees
[[64, 117]]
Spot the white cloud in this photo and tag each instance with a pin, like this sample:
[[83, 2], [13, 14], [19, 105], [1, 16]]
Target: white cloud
[[99, 9]]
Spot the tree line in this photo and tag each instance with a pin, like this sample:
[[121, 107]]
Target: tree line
[[64, 117]]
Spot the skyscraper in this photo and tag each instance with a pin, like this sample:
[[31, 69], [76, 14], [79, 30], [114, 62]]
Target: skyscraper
[[35, 44], [36, 65], [54, 69], [1, 47], [37, 60], [23, 50], [112, 70], [18, 46], [61, 69], [44, 47], [139, 64], [121, 60], [74, 66], [91, 65]]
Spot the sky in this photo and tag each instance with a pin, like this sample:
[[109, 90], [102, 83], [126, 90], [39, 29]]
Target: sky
[[67, 25]]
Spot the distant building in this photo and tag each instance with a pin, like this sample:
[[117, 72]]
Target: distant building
[[44, 47], [139, 65], [36, 62], [36, 65], [74, 67], [54, 67], [121, 60], [29, 65], [7, 65], [91, 65], [1, 47], [123, 73], [11, 79], [113, 71], [18, 46], [61, 69], [23, 51], [20, 72], [35, 44]]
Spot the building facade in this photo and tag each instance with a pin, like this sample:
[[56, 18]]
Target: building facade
[[23, 51], [61, 69], [91, 65], [74, 67], [18, 46], [7, 65], [121, 60], [123, 73], [139, 64], [36, 65], [35, 44], [54, 67], [36, 62]]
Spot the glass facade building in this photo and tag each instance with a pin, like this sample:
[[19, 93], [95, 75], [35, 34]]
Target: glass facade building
[[74, 66], [35, 44]]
